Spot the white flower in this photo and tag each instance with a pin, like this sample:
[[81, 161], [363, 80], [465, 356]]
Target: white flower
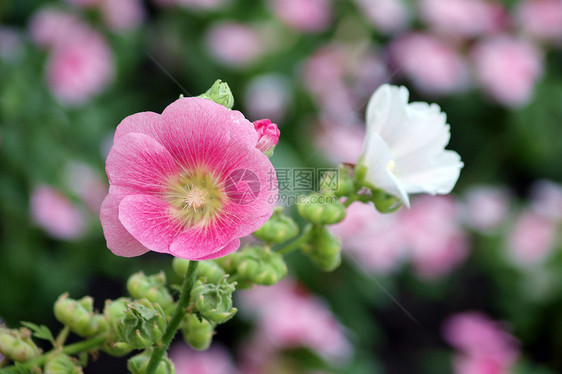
[[404, 149]]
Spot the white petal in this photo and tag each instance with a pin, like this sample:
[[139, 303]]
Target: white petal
[[438, 177]]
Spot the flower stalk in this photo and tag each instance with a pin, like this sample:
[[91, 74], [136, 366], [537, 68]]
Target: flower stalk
[[177, 317]]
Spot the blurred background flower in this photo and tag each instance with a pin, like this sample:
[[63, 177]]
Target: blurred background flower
[[481, 265]]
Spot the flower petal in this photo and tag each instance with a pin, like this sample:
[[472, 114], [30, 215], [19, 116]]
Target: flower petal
[[139, 162], [203, 242], [226, 250], [150, 220], [119, 241], [148, 123]]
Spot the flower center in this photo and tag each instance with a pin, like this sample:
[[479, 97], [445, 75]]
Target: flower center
[[391, 165], [196, 197]]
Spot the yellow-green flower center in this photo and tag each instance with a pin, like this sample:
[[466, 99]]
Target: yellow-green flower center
[[196, 197]]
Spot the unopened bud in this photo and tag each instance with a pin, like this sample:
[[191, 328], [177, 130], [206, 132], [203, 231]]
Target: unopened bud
[[114, 313], [152, 288], [208, 271], [214, 301], [385, 203], [324, 249], [220, 93], [345, 185], [268, 133], [321, 209], [79, 315], [197, 332], [261, 266], [227, 263], [139, 363], [59, 363], [143, 324], [17, 344], [278, 229]]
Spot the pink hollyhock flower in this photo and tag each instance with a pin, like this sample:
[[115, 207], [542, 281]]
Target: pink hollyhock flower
[[389, 16], [80, 68], [189, 182], [267, 96], [304, 15], [507, 69], [435, 240], [485, 207], [547, 199], [289, 317], [122, 15], [541, 18], [268, 134], [325, 69], [234, 44], [433, 65], [479, 365], [467, 18], [50, 27], [53, 212], [372, 239], [532, 239], [215, 360]]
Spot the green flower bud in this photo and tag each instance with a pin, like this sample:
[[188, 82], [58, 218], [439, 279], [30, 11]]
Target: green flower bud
[[214, 301], [208, 270], [324, 249], [384, 202], [261, 266], [345, 186], [79, 315], [143, 324], [138, 364], [220, 93], [321, 209], [114, 313], [17, 344], [152, 288], [197, 332], [278, 229], [59, 363], [227, 263]]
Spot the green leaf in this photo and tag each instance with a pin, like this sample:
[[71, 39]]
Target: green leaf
[[40, 332]]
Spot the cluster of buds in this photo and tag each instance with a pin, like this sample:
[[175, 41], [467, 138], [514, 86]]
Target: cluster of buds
[[278, 229], [153, 288], [17, 344], [197, 331], [59, 363], [79, 316], [139, 363], [213, 301]]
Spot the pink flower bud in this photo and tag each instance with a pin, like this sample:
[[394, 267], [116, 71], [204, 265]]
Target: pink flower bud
[[268, 135]]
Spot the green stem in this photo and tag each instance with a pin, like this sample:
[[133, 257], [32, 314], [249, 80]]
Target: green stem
[[71, 349], [61, 338], [297, 243], [178, 315]]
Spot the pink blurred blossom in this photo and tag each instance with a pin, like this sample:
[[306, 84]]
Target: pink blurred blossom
[[433, 65], [435, 239], [541, 18], [80, 68], [340, 142], [485, 207], [122, 15], [467, 18], [304, 15], [546, 199], [50, 27], [369, 73], [86, 183], [268, 134], [325, 69], [234, 44], [289, 317], [215, 360], [372, 239], [484, 346], [267, 96], [507, 68], [389, 16], [56, 214], [531, 239]]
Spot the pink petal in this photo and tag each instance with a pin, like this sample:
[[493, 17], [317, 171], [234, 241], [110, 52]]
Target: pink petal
[[119, 241], [226, 250], [149, 219], [204, 242], [144, 123], [139, 162]]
